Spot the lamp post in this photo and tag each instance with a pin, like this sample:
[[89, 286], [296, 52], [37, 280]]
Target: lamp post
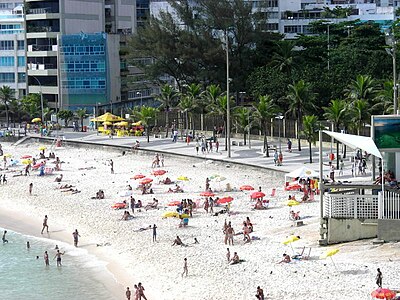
[[228, 105], [391, 41], [249, 127], [41, 96], [279, 117], [141, 97]]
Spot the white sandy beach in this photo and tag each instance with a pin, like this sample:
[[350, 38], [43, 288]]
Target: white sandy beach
[[159, 265]]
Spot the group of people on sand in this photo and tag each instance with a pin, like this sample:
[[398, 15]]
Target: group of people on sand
[[177, 189], [158, 161], [138, 294], [234, 259]]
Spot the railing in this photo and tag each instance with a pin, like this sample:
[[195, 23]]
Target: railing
[[32, 48], [389, 207], [46, 10], [35, 67], [347, 206]]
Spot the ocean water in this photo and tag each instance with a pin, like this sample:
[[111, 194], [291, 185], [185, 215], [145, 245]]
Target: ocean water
[[22, 276]]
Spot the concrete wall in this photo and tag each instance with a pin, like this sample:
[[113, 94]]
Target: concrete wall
[[113, 68], [347, 230], [389, 230], [125, 15]]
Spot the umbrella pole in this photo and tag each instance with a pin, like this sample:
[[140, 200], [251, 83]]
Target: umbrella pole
[[334, 263]]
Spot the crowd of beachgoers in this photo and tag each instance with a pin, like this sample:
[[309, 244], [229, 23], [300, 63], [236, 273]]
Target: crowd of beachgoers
[[189, 228]]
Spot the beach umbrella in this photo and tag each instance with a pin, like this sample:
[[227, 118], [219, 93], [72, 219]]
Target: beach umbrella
[[207, 194], [139, 123], [330, 253], [26, 156], [145, 181], [183, 178], [246, 188], [291, 239], [218, 178], [41, 148], [291, 203], [214, 176], [159, 172], [7, 155], [174, 203], [381, 293], [107, 117], [225, 200], [107, 123], [26, 161], [174, 214], [36, 120], [122, 123], [256, 195], [138, 176]]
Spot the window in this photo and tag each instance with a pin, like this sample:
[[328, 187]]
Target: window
[[21, 45], [7, 61], [272, 26], [7, 77], [293, 29], [21, 77], [84, 66], [21, 61], [6, 45]]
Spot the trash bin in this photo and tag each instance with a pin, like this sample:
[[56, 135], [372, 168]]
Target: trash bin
[[84, 128]]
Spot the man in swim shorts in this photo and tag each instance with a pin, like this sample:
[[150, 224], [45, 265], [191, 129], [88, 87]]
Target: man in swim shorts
[[58, 256], [46, 258], [45, 225], [76, 235], [4, 237]]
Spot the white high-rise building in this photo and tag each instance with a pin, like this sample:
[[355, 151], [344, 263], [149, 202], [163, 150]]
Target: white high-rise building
[[12, 46]]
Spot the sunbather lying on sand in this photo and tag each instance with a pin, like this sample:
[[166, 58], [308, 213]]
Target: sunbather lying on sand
[[65, 186]]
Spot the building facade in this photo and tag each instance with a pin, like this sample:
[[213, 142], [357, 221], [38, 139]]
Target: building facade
[[12, 47]]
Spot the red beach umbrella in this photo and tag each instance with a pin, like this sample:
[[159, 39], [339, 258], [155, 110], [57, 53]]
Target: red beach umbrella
[[159, 172], [138, 176], [256, 195], [174, 203], [381, 293], [246, 188], [225, 200], [145, 181], [26, 156], [207, 194]]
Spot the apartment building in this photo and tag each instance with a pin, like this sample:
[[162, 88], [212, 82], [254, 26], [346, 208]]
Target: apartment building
[[73, 50], [12, 47]]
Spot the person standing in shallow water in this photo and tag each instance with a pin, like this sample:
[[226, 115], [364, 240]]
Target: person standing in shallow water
[[58, 256], [76, 236], [4, 237], [46, 258]]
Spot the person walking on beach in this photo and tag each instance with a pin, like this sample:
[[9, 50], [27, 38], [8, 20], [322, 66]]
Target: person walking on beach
[[260, 293], [228, 254], [162, 160], [133, 205], [4, 237], [45, 225], [112, 166], [128, 293], [30, 188], [58, 256], [197, 147], [141, 291], [154, 233], [185, 267], [46, 258], [379, 278], [76, 235]]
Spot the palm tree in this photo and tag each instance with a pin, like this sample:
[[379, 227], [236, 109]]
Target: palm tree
[[146, 115], [6, 96], [383, 100], [336, 112], [310, 131], [193, 92], [241, 117], [284, 59], [209, 96], [219, 109], [186, 106], [81, 114], [47, 111], [31, 105], [167, 99], [16, 110], [362, 88], [300, 99], [264, 110], [360, 114]]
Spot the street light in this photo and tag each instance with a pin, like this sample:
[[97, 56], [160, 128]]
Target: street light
[[391, 41], [141, 97], [41, 96], [279, 117], [228, 105]]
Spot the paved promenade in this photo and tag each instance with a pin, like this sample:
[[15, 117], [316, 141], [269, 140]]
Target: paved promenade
[[251, 156]]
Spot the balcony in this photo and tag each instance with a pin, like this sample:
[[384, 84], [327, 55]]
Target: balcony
[[42, 69], [42, 50], [36, 89]]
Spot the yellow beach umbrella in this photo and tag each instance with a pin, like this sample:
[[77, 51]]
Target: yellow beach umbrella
[[329, 253], [173, 214], [291, 203], [7, 155], [137, 123], [291, 239], [122, 123], [108, 117], [36, 120], [107, 123], [26, 161], [41, 148], [183, 178]]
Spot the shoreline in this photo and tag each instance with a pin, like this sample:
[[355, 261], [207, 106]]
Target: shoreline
[[24, 224]]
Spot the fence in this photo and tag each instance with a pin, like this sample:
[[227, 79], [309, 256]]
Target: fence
[[351, 206], [389, 207]]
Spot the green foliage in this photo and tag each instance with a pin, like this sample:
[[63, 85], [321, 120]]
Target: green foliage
[[6, 96], [336, 112], [31, 105], [66, 115], [311, 126], [146, 115], [81, 114]]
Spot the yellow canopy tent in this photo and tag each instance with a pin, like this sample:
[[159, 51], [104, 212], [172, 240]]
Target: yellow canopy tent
[[36, 120], [122, 123], [137, 123], [107, 117]]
